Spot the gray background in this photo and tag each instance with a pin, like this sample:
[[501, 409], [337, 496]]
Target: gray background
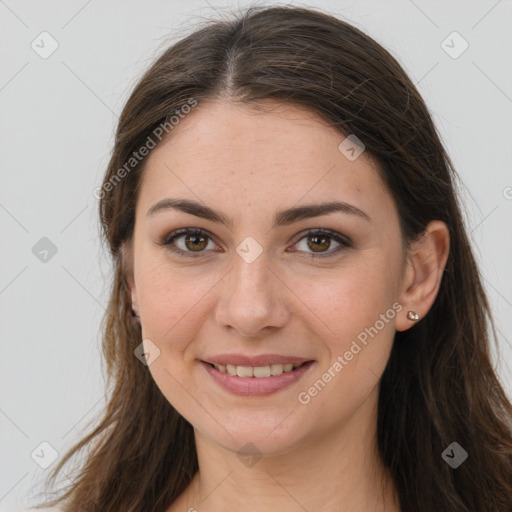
[[57, 121]]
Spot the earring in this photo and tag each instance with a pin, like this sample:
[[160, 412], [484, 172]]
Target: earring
[[412, 315]]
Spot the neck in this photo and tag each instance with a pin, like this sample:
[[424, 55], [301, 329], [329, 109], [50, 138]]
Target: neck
[[340, 472]]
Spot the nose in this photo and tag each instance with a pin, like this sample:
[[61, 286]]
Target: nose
[[253, 299]]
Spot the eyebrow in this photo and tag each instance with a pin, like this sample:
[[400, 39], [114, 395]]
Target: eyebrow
[[282, 218]]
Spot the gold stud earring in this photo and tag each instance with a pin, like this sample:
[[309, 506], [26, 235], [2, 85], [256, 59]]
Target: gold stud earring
[[412, 315]]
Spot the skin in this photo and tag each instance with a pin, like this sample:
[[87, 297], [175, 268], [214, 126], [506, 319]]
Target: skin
[[249, 164]]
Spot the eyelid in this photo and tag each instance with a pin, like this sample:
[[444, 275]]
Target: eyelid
[[169, 239], [343, 241]]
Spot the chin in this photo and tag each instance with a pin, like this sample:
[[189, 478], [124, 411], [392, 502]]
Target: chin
[[258, 434]]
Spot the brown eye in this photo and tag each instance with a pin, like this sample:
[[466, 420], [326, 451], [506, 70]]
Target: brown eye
[[319, 243], [188, 242], [195, 242]]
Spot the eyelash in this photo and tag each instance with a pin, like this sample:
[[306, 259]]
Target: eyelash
[[168, 240]]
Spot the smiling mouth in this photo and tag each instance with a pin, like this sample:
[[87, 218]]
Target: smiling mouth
[[257, 372]]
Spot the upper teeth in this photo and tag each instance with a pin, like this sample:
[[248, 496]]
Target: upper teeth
[[256, 371]]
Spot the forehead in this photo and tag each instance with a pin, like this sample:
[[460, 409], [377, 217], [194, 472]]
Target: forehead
[[230, 154]]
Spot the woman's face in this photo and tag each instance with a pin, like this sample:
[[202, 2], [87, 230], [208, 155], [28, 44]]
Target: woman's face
[[265, 288]]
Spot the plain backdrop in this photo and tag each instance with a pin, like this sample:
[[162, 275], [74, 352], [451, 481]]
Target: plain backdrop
[[57, 122]]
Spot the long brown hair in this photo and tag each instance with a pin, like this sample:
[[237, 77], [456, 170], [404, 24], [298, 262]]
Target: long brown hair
[[439, 385]]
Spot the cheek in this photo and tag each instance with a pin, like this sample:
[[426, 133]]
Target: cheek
[[354, 319], [171, 302], [347, 300], [356, 329]]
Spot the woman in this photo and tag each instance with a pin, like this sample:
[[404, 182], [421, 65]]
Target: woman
[[296, 321]]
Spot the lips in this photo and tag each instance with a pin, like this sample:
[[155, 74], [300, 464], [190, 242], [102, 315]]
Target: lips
[[255, 380]]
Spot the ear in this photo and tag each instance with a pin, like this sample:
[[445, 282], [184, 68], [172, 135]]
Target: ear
[[127, 263], [426, 261]]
